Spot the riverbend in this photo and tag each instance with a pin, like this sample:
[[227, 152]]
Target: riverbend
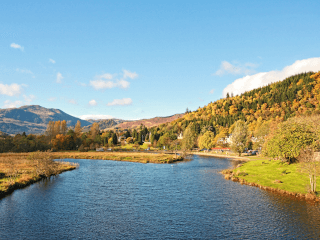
[[128, 200]]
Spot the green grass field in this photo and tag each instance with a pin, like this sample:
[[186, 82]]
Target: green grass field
[[266, 172]]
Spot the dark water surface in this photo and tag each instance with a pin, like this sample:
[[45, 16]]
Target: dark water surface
[[123, 200]]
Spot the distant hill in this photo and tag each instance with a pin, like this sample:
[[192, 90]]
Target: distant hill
[[33, 119], [149, 122], [103, 123]]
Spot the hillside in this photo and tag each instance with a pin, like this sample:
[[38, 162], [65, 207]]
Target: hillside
[[149, 122], [103, 123], [33, 119], [294, 96]]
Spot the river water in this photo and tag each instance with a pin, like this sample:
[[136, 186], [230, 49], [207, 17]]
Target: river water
[[124, 200]]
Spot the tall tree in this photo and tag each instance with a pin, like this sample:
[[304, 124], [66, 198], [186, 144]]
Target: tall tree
[[94, 130], [50, 130], [239, 137], [206, 140], [114, 139], [188, 140], [57, 128], [63, 127], [77, 129]]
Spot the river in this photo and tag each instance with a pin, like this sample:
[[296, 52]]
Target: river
[[124, 200]]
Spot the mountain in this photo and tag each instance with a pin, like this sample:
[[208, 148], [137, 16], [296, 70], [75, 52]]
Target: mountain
[[33, 119], [103, 123], [149, 122]]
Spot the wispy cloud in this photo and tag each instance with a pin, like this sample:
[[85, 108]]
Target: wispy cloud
[[93, 102], [236, 69], [19, 103], [211, 91], [121, 102], [28, 99], [24, 71], [248, 83], [52, 61], [128, 74], [72, 101], [16, 46], [10, 104], [52, 99], [95, 117], [59, 77], [102, 84], [107, 81], [10, 90]]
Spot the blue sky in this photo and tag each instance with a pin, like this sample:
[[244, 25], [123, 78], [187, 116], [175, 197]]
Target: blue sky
[[141, 59]]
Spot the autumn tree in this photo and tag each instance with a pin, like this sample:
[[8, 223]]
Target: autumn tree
[[239, 137], [206, 140], [50, 130], [260, 134], [188, 140], [289, 138], [94, 130], [77, 129], [63, 127], [57, 128]]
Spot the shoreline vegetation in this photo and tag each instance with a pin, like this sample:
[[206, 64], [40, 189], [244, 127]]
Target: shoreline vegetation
[[18, 170], [273, 175], [141, 157]]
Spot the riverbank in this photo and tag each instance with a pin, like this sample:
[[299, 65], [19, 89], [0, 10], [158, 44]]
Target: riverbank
[[18, 170], [272, 175], [141, 157], [232, 156], [226, 155]]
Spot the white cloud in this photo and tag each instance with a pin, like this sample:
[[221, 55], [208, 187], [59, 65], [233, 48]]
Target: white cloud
[[226, 67], [59, 77], [248, 83], [123, 101], [95, 117], [211, 91], [24, 71], [107, 81], [52, 99], [52, 61], [72, 101], [131, 75], [108, 76], [102, 84], [16, 46], [28, 99], [10, 90], [93, 102], [10, 104]]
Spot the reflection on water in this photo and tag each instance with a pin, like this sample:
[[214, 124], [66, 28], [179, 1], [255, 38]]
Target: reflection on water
[[109, 199]]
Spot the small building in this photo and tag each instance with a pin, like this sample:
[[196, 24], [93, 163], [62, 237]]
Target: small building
[[180, 136]]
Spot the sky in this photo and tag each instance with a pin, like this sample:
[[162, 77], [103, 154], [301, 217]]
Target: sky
[[142, 59]]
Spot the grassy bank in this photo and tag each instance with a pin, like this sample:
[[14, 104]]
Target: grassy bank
[[272, 175], [230, 155], [141, 157], [20, 170]]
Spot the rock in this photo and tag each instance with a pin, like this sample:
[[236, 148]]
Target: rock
[[310, 196], [277, 181]]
